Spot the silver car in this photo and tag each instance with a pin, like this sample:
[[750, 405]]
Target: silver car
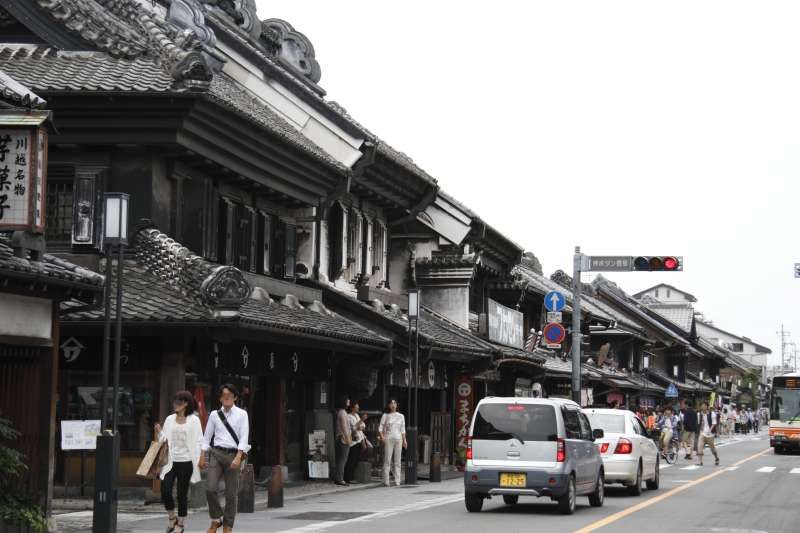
[[532, 447]]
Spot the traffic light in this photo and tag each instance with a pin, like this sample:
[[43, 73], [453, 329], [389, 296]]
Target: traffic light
[[658, 263], [797, 270]]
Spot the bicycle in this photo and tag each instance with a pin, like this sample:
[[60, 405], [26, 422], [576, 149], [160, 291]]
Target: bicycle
[[673, 448]]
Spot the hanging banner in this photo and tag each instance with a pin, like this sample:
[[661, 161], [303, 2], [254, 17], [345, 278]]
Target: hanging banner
[[464, 391]]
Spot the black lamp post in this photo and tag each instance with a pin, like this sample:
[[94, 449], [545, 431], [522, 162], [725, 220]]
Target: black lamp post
[[104, 518], [413, 370]]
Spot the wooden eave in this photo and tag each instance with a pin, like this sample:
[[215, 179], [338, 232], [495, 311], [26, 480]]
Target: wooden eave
[[265, 159], [196, 125]]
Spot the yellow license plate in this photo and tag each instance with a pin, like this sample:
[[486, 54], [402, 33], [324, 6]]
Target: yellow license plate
[[513, 480]]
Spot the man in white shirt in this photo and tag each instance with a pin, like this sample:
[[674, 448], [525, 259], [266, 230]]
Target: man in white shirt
[[227, 448], [708, 426]]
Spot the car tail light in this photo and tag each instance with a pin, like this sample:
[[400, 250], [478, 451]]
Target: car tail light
[[624, 446], [469, 448], [604, 447], [561, 452]]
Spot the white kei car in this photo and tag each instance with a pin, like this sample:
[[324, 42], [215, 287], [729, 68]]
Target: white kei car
[[629, 455]]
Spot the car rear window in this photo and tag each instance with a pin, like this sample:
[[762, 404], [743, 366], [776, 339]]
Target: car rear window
[[503, 421], [607, 422]]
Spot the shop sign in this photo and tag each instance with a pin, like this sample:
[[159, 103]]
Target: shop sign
[[71, 349], [26, 316], [505, 325], [79, 434], [464, 404], [23, 162], [431, 374]]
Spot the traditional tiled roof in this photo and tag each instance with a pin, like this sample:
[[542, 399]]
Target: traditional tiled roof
[[51, 70], [682, 315], [537, 356], [168, 284], [280, 317], [555, 365], [434, 330], [148, 299], [645, 384], [542, 285], [618, 297], [226, 92], [129, 29], [13, 91], [50, 270]]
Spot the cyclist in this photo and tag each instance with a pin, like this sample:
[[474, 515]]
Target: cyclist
[[667, 424]]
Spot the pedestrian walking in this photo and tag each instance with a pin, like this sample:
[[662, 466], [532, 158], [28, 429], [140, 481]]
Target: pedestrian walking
[[392, 432], [226, 441], [183, 435], [708, 426], [724, 430], [358, 442], [343, 438], [689, 416]]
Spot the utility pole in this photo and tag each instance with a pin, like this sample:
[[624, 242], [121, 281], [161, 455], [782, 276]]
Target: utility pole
[[576, 325]]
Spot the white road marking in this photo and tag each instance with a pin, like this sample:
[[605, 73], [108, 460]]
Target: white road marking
[[681, 480], [731, 468], [690, 467], [766, 469], [663, 466], [794, 471]]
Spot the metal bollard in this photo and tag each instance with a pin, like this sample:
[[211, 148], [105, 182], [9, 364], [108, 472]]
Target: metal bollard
[[275, 488], [436, 468]]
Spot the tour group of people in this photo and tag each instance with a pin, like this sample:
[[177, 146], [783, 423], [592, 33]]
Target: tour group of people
[[696, 429]]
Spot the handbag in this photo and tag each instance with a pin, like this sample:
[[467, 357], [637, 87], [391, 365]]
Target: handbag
[[157, 455]]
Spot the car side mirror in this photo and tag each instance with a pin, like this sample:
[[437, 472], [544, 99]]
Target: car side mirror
[[597, 434]]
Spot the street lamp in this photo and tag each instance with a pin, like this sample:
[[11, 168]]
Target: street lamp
[[411, 456], [104, 518]]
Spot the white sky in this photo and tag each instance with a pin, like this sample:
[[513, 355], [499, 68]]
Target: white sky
[[623, 127]]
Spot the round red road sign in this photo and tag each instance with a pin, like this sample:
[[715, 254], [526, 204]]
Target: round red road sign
[[554, 333]]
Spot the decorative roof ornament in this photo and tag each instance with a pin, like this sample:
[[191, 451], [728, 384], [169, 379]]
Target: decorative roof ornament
[[219, 287], [294, 49], [129, 29], [241, 12]]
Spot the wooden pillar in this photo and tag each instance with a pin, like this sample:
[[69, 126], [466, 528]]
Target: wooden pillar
[[173, 379], [47, 440], [275, 425]]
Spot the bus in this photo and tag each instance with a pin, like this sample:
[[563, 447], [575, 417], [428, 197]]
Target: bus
[[784, 413]]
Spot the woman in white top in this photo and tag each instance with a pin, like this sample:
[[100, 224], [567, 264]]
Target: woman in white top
[[392, 431], [183, 433]]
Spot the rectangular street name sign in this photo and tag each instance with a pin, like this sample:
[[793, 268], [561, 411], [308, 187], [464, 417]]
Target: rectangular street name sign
[[610, 263], [554, 316]]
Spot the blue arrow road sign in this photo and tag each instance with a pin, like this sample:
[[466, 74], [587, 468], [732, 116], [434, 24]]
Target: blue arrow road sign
[[672, 391], [554, 301]]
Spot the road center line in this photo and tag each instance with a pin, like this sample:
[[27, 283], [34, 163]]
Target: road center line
[[766, 469], [647, 503]]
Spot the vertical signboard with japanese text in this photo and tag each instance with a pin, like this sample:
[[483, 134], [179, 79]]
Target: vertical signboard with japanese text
[[23, 164], [505, 325], [464, 405]]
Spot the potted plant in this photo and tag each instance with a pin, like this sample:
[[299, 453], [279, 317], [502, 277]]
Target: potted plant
[[17, 512]]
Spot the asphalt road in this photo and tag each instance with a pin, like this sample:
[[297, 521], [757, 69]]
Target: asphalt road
[[752, 490]]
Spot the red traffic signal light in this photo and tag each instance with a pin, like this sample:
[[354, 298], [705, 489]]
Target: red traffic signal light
[[658, 263]]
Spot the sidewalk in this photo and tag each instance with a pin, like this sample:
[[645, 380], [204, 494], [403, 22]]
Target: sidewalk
[[306, 511]]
